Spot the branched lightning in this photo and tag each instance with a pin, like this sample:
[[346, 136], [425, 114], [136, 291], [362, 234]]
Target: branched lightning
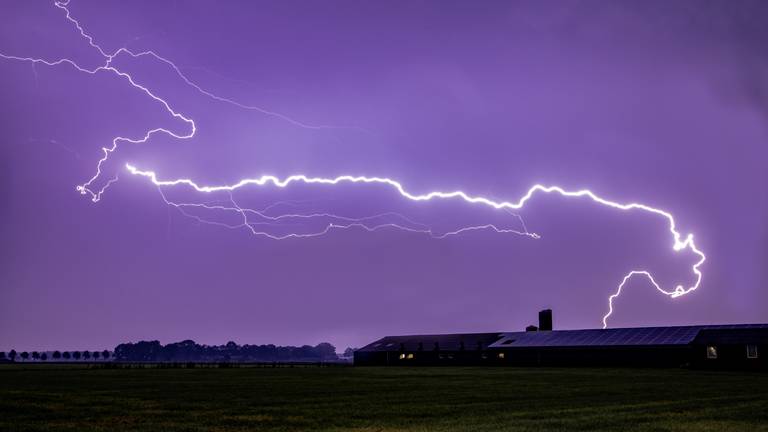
[[259, 222], [368, 223], [680, 242]]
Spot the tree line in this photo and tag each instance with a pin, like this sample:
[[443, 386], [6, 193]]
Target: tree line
[[12, 355], [189, 351]]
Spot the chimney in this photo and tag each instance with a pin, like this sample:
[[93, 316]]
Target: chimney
[[545, 320]]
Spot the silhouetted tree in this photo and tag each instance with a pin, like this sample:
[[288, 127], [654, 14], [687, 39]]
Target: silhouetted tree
[[35, 355], [140, 351], [2, 355], [56, 355], [326, 351], [184, 351], [76, 355], [95, 355], [66, 355], [25, 355], [43, 356], [12, 355], [105, 354], [86, 355], [350, 352]]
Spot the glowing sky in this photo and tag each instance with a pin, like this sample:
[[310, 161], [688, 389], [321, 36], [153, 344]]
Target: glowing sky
[[651, 102]]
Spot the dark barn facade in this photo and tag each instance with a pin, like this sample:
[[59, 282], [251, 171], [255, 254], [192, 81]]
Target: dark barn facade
[[743, 346]]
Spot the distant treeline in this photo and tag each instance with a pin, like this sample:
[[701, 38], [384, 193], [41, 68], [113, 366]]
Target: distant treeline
[[12, 355], [189, 351]]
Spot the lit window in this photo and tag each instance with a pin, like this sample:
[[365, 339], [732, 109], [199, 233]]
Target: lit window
[[410, 356], [751, 351], [501, 355], [711, 352], [402, 356]]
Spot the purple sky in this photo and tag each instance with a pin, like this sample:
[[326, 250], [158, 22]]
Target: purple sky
[[664, 103]]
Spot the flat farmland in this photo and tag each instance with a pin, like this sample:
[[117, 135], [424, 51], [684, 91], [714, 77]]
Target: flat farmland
[[78, 398]]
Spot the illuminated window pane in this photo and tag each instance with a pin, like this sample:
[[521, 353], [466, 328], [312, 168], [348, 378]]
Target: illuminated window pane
[[751, 351], [402, 356], [501, 355], [712, 352], [410, 356]]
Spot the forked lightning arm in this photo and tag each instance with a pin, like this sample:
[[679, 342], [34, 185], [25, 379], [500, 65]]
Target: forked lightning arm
[[680, 242]]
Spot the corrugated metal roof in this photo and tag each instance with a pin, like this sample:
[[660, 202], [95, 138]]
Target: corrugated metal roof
[[718, 336], [640, 336]]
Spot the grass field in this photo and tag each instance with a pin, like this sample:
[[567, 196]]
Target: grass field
[[72, 398]]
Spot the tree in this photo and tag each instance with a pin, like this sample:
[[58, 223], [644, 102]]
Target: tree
[[105, 354], [326, 351], [86, 355], [66, 355], [95, 355], [2, 355], [76, 355], [43, 356], [12, 355], [25, 355], [349, 352], [140, 351], [35, 355], [56, 355], [186, 350]]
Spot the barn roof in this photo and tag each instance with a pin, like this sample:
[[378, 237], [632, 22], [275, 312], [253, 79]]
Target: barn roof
[[737, 336], [636, 336], [445, 342]]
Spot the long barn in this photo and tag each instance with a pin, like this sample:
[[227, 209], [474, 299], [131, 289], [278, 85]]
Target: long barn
[[738, 346]]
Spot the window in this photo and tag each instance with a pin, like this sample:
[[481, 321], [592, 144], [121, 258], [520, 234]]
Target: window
[[410, 356], [402, 356], [752, 351], [711, 352], [501, 355]]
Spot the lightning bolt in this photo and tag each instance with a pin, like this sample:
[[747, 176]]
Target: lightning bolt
[[370, 223], [680, 242]]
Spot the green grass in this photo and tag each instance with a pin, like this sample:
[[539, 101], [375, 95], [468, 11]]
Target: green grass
[[64, 398]]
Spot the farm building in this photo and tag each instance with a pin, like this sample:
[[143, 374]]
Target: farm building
[[739, 346]]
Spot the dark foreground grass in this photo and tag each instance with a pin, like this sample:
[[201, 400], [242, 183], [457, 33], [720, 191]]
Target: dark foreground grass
[[64, 398]]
